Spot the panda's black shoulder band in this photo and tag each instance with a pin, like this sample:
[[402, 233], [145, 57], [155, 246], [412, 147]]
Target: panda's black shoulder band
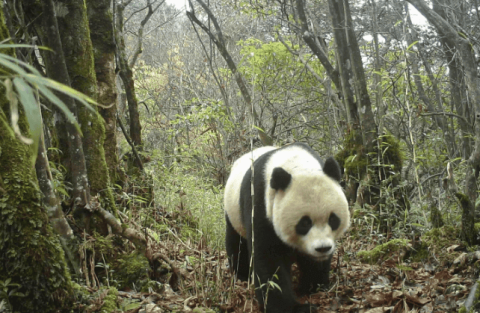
[[332, 169], [280, 179]]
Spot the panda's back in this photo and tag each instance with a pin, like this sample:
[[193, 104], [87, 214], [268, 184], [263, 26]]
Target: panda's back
[[234, 185]]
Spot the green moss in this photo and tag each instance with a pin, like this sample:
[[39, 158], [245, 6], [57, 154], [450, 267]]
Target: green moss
[[81, 294], [352, 157], [78, 51], [477, 227], [404, 268], [110, 302], [464, 201], [391, 152], [30, 253], [421, 254], [130, 269], [366, 172], [437, 240], [103, 244], [376, 254]]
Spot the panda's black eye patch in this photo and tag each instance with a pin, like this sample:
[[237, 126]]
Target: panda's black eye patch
[[334, 221], [304, 225]]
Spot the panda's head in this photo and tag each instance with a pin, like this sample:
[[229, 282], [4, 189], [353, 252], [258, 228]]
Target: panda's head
[[309, 210]]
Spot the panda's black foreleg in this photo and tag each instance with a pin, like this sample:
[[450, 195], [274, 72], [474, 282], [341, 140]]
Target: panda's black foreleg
[[313, 274], [237, 252], [273, 281]]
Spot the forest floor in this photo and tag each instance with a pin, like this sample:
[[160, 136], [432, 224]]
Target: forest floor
[[393, 284]]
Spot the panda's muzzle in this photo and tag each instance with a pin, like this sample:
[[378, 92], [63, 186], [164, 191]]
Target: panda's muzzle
[[323, 249]]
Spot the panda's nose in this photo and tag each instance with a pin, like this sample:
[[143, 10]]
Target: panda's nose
[[323, 249]]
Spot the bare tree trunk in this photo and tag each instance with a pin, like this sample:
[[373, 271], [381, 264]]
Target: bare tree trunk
[[315, 46], [126, 75], [377, 76], [364, 104], [464, 48], [102, 36], [438, 119], [345, 66], [457, 88]]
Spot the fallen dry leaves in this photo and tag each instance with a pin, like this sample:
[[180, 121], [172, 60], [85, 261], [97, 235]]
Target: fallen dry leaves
[[392, 285]]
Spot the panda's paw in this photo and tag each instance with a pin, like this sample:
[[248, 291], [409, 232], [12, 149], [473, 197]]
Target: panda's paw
[[305, 308]]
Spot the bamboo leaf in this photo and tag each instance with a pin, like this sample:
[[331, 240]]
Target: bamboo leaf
[[411, 45], [12, 66], [17, 61], [85, 100], [50, 96], [9, 46], [32, 111]]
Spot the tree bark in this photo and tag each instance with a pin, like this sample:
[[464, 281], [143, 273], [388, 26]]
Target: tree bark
[[464, 48], [52, 205], [438, 119], [30, 253], [457, 88], [364, 104], [77, 48], [344, 63], [126, 75], [102, 36], [314, 45], [56, 68]]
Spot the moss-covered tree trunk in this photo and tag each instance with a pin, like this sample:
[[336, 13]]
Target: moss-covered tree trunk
[[30, 252], [77, 48], [101, 32]]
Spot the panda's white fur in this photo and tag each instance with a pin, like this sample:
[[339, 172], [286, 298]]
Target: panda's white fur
[[234, 182], [310, 193]]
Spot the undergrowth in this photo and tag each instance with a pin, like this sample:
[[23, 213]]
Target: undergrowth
[[178, 187]]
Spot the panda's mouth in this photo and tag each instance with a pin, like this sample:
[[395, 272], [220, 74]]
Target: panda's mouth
[[322, 257]]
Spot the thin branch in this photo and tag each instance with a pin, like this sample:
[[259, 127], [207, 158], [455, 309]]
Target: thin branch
[[139, 49], [449, 114], [137, 157], [137, 238], [161, 24], [316, 47], [220, 43], [140, 10]]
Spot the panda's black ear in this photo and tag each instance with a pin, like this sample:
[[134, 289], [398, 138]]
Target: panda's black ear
[[280, 179], [332, 169]]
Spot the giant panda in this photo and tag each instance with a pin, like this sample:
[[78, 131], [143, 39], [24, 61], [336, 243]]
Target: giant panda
[[299, 211]]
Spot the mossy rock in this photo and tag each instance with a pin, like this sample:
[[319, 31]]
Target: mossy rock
[[379, 252]]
